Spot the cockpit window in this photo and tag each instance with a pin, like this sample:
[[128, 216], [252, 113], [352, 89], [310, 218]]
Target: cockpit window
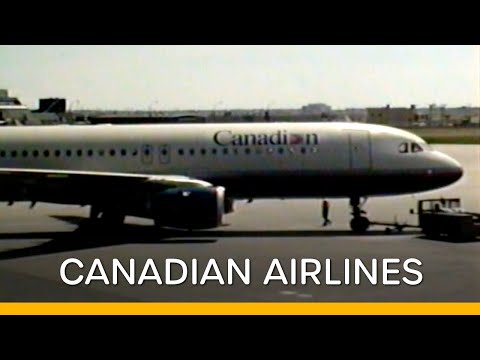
[[403, 148], [416, 148]]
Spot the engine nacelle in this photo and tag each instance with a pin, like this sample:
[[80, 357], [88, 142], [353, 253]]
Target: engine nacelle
[[189, 208]]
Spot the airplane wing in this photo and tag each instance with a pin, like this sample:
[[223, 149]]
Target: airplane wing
[[85, 187]]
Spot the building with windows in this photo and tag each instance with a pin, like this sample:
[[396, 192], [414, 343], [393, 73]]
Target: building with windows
[[316, 109], [393, 116], [11, 109]]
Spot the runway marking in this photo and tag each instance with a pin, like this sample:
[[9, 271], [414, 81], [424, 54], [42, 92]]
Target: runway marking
[[305, 296], [296, 294], [286, 292]]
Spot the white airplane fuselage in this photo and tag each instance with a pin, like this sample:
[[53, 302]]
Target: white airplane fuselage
[[251, 160]]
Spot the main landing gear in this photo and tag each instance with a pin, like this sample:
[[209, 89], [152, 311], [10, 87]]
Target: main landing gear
[[359, 223]]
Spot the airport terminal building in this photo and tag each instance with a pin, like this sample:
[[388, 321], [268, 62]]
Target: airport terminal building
[[433, 116], [54, 111]]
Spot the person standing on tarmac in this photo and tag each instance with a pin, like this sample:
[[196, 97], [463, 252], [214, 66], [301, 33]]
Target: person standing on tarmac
[[325, 212]]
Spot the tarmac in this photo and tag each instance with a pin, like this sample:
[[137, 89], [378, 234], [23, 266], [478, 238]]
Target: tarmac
[[34, 244]]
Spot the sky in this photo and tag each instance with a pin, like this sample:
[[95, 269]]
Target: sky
[[199, 77]]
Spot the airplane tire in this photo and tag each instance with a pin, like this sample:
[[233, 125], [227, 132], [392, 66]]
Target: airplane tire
[[359, 224]]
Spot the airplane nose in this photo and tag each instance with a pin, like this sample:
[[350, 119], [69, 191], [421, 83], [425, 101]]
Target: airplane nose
[[454, 173], [454, 169], [451, 170]]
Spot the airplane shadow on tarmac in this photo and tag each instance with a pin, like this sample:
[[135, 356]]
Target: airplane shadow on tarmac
[[89, 236]]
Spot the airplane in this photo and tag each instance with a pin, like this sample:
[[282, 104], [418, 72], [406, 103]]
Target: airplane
[[188, 176]]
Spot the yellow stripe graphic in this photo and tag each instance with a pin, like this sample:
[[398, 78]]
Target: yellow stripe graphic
[[239, 308]]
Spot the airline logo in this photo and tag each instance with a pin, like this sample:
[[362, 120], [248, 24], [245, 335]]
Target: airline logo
[[280, 137]]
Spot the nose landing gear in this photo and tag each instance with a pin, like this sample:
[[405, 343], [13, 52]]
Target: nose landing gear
[[359, 223]]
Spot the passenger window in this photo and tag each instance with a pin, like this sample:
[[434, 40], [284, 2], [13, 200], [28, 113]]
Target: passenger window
[[180, 152], [46, 153], [225, 151], [214, 151], [416, 148], [79, 152], [57, 153], [24, 153], [123, 152], [202, 151], [90, 152], [112, 152], [35, 153], [2, 153], [403, 148]]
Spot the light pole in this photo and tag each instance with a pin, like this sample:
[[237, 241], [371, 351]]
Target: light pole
[[215, 108], [70, 117], [150, 107], [76, 101], [267, 115]]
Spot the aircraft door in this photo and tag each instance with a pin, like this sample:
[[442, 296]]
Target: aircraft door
[[360, 150]]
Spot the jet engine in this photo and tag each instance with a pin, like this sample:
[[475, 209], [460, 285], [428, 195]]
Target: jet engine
[[189, 208]]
